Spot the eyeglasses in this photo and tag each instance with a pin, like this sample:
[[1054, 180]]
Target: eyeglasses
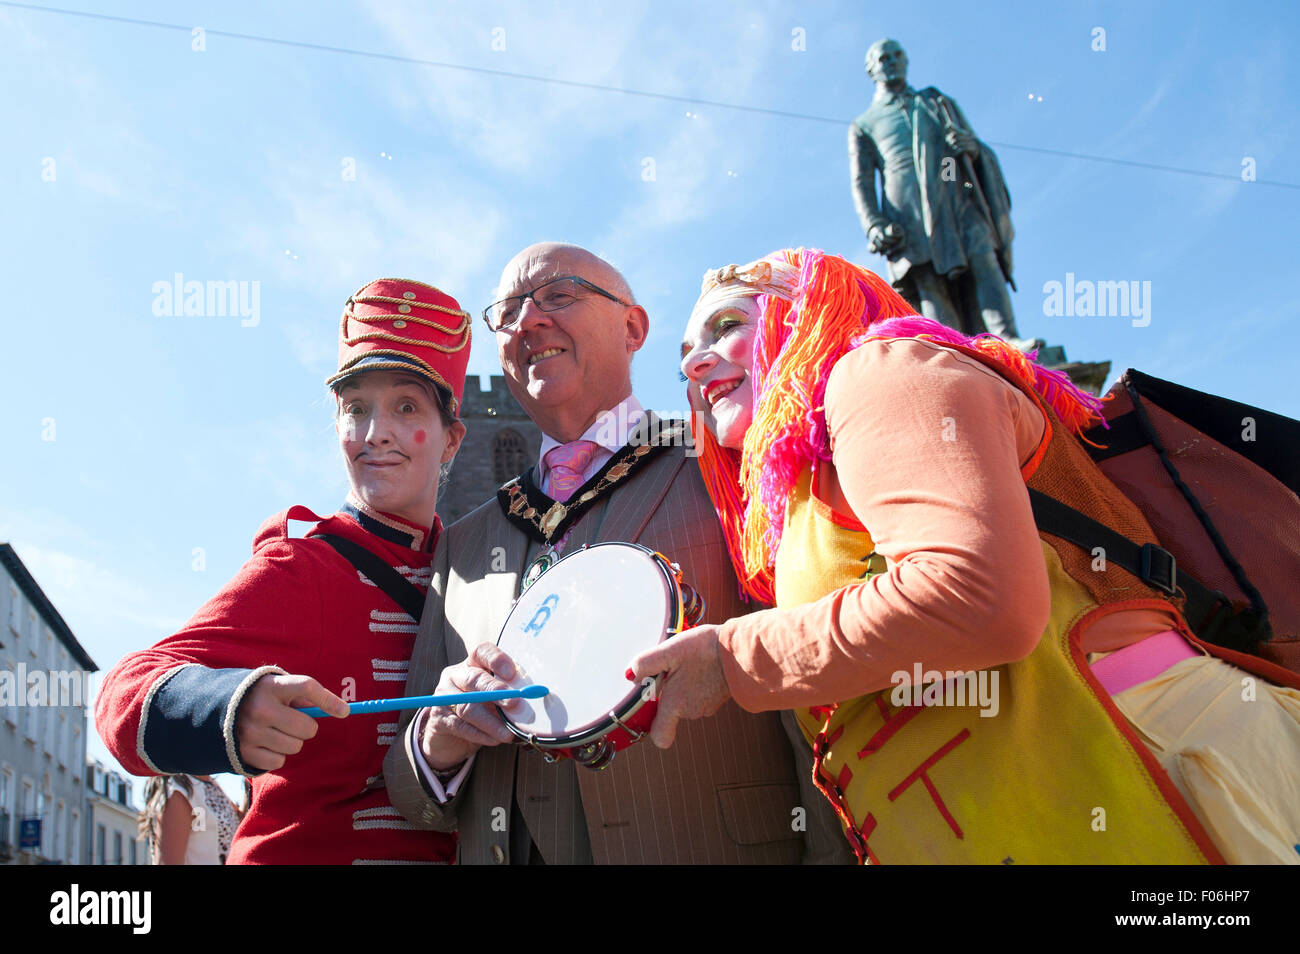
[[556, 294]]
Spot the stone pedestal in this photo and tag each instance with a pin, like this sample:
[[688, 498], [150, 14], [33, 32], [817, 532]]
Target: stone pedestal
[[1088, 375]]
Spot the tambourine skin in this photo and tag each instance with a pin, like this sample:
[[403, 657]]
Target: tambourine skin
[[570, 630]]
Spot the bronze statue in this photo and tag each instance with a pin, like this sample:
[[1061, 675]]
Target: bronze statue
[[943, 218]]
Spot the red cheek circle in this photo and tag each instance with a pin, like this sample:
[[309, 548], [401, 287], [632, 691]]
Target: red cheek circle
[[421, 436]]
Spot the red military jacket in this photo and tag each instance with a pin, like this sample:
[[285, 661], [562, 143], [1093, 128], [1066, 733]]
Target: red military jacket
[[296, 607]]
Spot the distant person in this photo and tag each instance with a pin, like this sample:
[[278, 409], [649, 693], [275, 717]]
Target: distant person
[[188, 820], [307, 618]]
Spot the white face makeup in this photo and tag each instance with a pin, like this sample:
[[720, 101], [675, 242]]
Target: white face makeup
[[394, 442], [717, 360]]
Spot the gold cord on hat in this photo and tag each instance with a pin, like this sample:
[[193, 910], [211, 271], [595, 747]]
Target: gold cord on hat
[[401, 362]]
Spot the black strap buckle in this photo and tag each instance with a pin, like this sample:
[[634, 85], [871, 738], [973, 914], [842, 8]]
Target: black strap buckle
[[1158, 568]]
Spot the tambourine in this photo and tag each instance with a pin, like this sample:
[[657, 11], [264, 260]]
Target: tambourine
[[574, 629]]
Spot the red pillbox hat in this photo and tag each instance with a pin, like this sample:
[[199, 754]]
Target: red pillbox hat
[[396, 324]]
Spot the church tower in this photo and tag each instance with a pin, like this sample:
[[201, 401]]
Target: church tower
[[501, 441]]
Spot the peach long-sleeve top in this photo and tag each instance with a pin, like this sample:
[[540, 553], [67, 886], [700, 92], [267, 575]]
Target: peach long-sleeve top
[[927, 445]]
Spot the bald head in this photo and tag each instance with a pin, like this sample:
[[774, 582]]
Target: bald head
[[886, 61], [568, 364], [532, 261]]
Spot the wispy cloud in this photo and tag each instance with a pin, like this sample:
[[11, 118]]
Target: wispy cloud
[[340, 234], [131, 171], [347, 232], [287, 456], [513, 124], [89, 591]]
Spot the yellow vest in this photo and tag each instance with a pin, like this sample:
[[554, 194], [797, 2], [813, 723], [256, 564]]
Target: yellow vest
[[1055, 776]]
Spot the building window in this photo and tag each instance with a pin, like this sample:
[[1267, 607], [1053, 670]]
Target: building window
[[45, 822], [117, 847], [61, 740], [30, 713], [51, 729], [134, 857], [509, 455], [57, 842], [11, 712], [15, 609], [7, 804], [29, 798], [74, 846], [100, 851]]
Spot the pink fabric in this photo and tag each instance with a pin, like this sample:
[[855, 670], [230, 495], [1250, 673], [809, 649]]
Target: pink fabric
[[565, 466], [1142, 661]]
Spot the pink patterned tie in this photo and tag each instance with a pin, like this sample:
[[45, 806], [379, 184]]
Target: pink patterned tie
[[567, 463]]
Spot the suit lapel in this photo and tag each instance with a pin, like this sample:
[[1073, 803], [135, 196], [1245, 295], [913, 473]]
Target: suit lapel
[[491, 575], [631, 507], [507, 552]]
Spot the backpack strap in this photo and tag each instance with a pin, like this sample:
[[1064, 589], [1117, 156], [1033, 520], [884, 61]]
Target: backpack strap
[[402, 591], [1209, 612], [1117, 436], [1257, 604]]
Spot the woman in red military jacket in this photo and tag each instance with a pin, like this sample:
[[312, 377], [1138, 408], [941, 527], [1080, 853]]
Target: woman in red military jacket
[[300, 625]]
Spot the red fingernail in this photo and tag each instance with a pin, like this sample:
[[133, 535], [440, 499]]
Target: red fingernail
[[631, 676]]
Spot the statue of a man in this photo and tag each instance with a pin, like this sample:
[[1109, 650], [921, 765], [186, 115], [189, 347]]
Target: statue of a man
[[944, 215]]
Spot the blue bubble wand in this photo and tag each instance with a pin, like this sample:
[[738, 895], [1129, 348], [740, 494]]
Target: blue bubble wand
[[419, 702]]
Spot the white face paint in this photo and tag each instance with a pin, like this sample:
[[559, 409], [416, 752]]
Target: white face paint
[[717, 360], [393, 442]]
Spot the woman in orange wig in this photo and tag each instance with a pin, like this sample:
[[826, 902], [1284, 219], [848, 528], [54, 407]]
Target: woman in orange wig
[[973, 690]]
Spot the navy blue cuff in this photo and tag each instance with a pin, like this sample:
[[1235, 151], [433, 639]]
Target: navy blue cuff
[[189, 720]]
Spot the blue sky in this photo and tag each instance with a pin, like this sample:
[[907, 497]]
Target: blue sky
[[131, 157]]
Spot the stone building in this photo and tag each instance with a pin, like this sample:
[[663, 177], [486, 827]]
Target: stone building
[[44, 694], [501, 441], [112, 822]]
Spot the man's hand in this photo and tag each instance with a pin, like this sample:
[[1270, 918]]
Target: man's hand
[[268, 725], [453, 733], [694, 685], [884, 239], [959, 140]]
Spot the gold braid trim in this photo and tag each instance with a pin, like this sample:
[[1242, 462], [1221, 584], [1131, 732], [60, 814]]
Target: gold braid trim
[[402, 362], [404, 281], [463, 330], [408, 301]]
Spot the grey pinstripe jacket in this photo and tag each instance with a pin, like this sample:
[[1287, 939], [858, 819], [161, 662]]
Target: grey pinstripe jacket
[[735, 788]]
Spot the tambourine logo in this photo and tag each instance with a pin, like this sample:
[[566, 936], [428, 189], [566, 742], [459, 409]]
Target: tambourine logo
[[543, 615]]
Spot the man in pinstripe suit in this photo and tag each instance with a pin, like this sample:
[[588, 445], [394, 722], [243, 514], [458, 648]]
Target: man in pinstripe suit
[[735, 787]]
